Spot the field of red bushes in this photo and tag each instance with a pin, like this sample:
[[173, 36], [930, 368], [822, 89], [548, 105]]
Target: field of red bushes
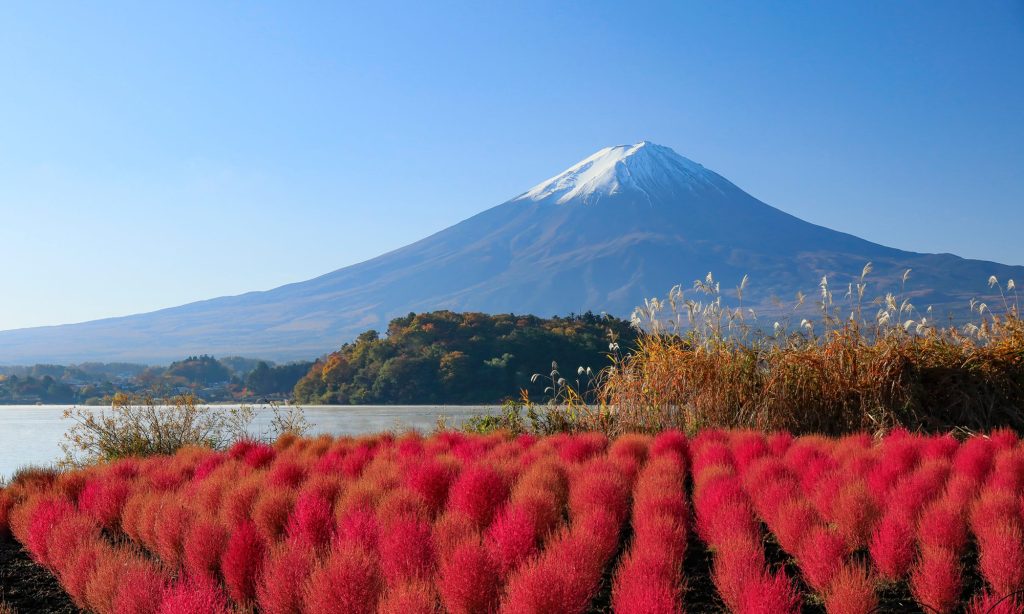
[[725, 521]]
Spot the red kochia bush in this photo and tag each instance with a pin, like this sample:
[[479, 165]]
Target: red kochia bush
[[312, 520], [413, 597], [348, 581], [935, 581], [193, 597], [512, 537], [821, 556], [469, 581], [942, 525], [204, 544], [284, 577], [987, 603], [1002, 558], [478, 492], [43, 517], [431, 480], [140, 589], [852, 591], [103, 498], [241, 562], [769, 594], [892, 547], [406, 550]]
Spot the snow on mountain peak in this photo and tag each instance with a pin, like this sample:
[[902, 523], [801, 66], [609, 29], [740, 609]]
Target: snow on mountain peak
[[643, 167]]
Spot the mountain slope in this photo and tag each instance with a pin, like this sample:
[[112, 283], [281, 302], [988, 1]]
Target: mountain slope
[[627, 223]]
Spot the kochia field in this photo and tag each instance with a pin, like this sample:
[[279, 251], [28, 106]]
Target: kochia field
[[724, 521]]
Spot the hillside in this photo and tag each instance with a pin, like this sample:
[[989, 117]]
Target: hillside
[[452, 358]]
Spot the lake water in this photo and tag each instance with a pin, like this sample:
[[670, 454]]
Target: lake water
[[31, 434]]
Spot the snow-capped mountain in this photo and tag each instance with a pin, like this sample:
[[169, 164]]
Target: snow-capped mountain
[[624, 224]]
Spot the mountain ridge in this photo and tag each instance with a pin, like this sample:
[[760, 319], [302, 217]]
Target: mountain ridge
[[641, 220]]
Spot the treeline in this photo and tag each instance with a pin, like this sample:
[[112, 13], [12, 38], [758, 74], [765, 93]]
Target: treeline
[[452, 358], [204, 376]]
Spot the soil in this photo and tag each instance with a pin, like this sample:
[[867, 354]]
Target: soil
[[27, 587]]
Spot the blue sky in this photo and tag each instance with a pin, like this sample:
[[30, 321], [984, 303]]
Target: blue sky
[[152, 155]]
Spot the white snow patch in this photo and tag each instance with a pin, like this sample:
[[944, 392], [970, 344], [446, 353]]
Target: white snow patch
[[644, 167]]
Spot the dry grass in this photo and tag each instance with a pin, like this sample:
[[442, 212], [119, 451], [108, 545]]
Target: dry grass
[[702, 364]]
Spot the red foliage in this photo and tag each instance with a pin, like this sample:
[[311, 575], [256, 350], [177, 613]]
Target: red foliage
[[892, 547], [852, 591], [477, 493], [103, 498], [580, 448], [286, 473], [46, 514], [769, 594], [170, 533], [821, 556], [935, 581], [413, 597], [281, 588], [349, 581], [312, 521], [359, 527], [670, 443], [242, 561], [204, 544], [469, 579], [406, 550], [987, 603], [195, 598], [1002, 558], [942, 525], [646, 583], [512, 537], [738, 563], [795, 517], [140, 590], [271, 510], [431, 480], [855, 514]]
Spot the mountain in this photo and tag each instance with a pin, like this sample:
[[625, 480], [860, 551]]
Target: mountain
[[626, 223]]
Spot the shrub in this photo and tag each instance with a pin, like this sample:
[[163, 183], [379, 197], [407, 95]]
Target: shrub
[[469, 579], [406, 551], [170, 533], [512, 537], [283, 581], [935, 581], [739, 562], [413, 597], [821, 556], [242, 561], [942, 525], [852, 591], [1002, 558], [204, 544], [892, 547], [855, 514], [271, 511], [312, 520], [140, 590], [143, 426], [477, 493], [103, 499], [348, 581], [193, 596], [770, 594]]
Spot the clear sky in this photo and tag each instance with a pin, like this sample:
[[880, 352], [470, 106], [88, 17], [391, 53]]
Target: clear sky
[[155, 155]]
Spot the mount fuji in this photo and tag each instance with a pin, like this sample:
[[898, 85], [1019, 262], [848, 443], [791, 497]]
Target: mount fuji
[[627, 223]]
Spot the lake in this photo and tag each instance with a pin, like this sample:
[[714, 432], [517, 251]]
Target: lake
[[31, 434]]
